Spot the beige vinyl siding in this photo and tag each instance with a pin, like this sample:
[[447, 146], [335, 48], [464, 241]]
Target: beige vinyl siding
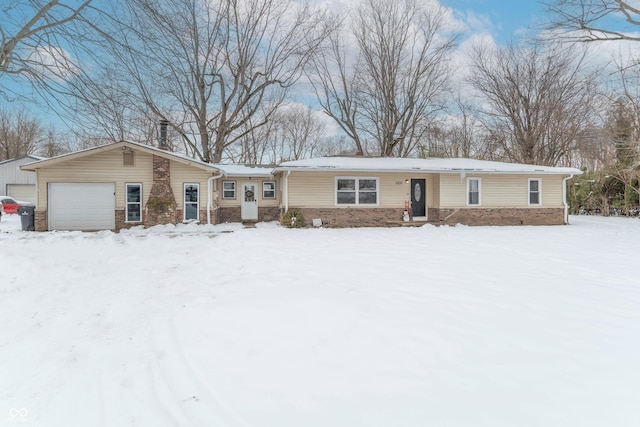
[[239, 180], [182, 174], [317, 189], [433, 191], [500, 190], [101, 167], [108, 167]]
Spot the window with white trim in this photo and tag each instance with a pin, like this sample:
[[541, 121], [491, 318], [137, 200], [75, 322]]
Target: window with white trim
[[473, 191], [133, 206], [191, 201], [535, 191], [228, 189], [356, 191], [269, 190]]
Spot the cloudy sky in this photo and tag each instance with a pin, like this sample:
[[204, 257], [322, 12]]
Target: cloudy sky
[[493, 21]]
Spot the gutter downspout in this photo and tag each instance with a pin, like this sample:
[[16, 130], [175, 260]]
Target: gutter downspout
[[286, 191], [209, 181], [564, 198]]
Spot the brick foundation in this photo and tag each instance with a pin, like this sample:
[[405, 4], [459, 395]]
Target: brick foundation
[[498, 216], [351, 217], [267, 214], [202, 215], [234, 214]]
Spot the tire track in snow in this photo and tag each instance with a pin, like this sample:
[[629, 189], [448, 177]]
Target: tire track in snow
[[176, 381]]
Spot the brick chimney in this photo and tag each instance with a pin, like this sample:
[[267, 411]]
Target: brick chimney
[[163, 135], [161, 205]]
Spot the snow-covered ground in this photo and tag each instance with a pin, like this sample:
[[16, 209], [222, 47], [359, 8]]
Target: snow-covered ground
[[207, 326]]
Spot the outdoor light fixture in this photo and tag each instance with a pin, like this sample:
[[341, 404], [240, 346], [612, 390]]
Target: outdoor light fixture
[[406, 181]]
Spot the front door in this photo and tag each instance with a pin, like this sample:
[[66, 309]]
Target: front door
[[418, 197], [249, 205]]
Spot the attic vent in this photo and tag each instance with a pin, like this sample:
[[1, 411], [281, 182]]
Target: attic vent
[[127, 158]]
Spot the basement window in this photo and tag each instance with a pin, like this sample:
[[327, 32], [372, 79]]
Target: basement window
[[134, 203]]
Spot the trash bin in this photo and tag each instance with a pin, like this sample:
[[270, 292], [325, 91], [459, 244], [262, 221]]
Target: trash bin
[[27, 217]]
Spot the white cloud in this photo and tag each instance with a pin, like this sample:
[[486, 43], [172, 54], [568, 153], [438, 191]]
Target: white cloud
[[52, 62]]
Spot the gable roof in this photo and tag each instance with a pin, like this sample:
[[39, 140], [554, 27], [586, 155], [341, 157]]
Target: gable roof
[[226, 170], [27, 157], [395, 164]]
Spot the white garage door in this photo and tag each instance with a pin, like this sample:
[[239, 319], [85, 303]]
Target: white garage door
[[22, 192], [82, 206]]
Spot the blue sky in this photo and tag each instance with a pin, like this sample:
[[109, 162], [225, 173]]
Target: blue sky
[[504, 19]]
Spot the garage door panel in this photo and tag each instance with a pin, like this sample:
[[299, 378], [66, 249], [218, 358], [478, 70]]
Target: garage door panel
[[81, 206]]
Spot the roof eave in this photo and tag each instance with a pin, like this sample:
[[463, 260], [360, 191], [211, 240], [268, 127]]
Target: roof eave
[[415, 170]]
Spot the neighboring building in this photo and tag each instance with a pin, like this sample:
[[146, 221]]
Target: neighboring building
[[17, 183], [126, 184], [364, 191]]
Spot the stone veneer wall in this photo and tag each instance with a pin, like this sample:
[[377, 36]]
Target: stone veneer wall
[[228, 214], [161, 205], [234, 214], [498, 216], [351, 217], [40, 220]]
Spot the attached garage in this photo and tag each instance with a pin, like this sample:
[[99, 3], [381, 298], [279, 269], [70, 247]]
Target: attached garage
[[22, 192], [81, 206]]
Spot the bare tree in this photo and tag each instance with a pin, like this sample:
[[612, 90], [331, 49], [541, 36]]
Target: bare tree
[[538, 100], [596, 20], [294, 132], [386, 92], [214, 70], [20, 134], [31, 34]]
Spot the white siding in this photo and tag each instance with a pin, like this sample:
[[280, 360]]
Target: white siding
[[22, 192], [10, 173]]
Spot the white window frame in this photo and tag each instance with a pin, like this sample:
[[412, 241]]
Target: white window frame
[[127, 203], [357, 190], [184, 201], [529, 192], [264, 191], [468, 193], [235, 190]]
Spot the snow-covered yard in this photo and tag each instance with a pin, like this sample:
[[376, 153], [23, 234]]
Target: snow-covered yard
[[203, 326]]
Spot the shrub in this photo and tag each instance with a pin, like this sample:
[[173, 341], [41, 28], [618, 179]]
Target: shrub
[[292, 219]]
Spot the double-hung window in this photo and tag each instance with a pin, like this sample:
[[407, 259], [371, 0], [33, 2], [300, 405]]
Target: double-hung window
[[134, 203], [191, 201], [473, 191], [228, 189], [535, 187], [268, 190], [356, 191]]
